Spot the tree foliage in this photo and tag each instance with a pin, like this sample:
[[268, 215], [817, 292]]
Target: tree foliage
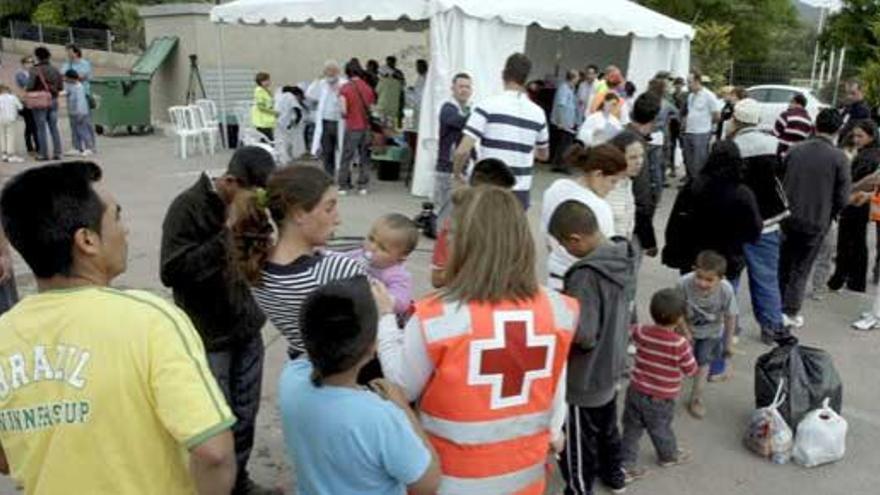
[[711, 49], [853, 27], [756, 24], [49, 12]]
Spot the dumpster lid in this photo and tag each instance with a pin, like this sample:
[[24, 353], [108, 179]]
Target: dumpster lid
[[156, 53]]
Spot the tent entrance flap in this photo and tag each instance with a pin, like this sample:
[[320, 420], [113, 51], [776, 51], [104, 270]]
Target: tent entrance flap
[[154, 55]]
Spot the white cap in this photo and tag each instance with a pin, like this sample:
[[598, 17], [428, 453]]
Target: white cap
[[747, 111]]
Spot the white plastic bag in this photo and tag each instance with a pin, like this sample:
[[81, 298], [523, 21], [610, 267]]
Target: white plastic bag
[[768, 435], [821, 437]]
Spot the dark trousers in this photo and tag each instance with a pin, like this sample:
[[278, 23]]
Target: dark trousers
[[672, 141], [30, 130], [851, 265], [564, 140], [239, 372], [592, 448], [796, 257], [329, 140], [642, 412], [355, 149]]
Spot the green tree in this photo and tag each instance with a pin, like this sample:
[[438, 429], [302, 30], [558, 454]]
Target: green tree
[[756, 23], [711, 49], [853, 27], [49, 12]]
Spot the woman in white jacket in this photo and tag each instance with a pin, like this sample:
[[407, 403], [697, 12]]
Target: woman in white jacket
[[289, 140]]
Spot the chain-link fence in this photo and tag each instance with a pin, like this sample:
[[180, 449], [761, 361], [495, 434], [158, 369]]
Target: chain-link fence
[[822, 81], [93, 39]]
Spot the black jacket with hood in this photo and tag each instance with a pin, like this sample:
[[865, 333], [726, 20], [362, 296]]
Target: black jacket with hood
[[763, 173], [604, 284]]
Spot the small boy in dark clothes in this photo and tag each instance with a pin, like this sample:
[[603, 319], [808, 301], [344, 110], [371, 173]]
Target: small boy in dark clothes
[[603, 282], [663, 359]]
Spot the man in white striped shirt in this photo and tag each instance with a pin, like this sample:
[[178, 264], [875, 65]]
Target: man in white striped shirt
[[509, 127]]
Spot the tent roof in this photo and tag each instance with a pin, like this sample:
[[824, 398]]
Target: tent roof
[[613, 17]]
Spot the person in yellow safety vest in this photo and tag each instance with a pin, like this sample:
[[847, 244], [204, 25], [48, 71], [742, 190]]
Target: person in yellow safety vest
[[487, 355], [263, 114]]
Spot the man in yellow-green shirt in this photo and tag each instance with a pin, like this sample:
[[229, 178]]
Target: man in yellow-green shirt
[[102, 391]]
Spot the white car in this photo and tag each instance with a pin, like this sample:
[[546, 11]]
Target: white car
[[774, 100]]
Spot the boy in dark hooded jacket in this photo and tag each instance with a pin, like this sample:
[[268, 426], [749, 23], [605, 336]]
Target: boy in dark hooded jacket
[[603, 281]]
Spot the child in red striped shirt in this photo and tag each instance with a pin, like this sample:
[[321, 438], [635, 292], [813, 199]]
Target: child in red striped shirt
[[663, 358]]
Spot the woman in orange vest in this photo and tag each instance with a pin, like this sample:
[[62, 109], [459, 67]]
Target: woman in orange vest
[[486, 356]]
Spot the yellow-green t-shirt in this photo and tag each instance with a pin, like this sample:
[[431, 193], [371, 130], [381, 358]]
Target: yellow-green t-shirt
[[102, 392], [263, 112]]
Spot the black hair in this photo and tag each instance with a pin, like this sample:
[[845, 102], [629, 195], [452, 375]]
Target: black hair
[[43, 208], [866, 125], [594, 67], [711, 261], [630, 88], [725, 162], [668, 306], [353, 69], [492, 171], [800, 99], [42, 53], [570, 218], [251, 165], [422, 66], [372, 65], [517, 68], [339, 324], [71, 74], [624, 138], [645, 108], [461, 75], [828, 121], [391, 61], [287, 89], [75, 49]]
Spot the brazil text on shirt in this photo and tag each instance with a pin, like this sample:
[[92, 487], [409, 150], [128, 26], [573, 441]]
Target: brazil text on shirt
[[509, 127]]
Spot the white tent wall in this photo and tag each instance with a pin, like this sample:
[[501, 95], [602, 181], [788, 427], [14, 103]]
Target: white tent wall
[[453, 38], [647, 56]]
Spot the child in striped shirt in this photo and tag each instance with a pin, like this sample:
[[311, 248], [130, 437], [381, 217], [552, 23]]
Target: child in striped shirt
[[663, 359]]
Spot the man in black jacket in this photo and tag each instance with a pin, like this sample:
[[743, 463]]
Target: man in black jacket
[[817, 184], [763, 169], [195, 264]]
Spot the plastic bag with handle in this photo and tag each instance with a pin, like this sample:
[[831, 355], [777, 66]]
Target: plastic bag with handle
[[768, 435], [821, 437]]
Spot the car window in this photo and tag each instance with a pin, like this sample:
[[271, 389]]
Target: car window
[[759, 94], [777, 95]]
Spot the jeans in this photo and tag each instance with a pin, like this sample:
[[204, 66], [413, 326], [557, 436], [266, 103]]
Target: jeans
[[762, 259], [442, 189], [329, 140], [592, 447], [796, 257], [824, 260], [695, 148], [642, 412], [81, 131], [46, 120], [239, 373], [851, 265], [355, 148], [30, 130]]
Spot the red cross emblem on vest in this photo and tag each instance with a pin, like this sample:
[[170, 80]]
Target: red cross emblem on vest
[[512, 359]]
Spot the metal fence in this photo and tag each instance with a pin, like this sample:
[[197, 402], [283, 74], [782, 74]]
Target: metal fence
[[750, 74], [93, 39]]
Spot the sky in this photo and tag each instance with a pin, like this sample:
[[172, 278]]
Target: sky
[[832, 4]]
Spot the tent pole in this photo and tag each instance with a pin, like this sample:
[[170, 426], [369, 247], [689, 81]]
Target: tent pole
[[223, 124]]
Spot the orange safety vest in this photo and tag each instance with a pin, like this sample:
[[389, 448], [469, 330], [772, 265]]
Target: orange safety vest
[[487, 407]]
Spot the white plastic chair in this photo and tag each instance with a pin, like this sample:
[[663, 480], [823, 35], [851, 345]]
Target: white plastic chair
[[185, 128], [211, 117], [209, 130]]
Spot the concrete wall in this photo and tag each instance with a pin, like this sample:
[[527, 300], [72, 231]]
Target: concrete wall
[[109, 62], [291, 53]]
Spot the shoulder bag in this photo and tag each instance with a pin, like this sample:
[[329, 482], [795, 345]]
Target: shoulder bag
[[38, 100]]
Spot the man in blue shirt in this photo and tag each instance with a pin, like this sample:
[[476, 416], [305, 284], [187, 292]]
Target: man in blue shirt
[[564, 118], [453, 117]]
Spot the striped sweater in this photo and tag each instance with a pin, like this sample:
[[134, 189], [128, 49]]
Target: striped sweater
[[793, 126], [663, 359], [284, 288]]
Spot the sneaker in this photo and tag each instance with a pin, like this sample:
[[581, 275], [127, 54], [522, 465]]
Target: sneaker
[[683, 457], [71, 153], [363, 192], [867, 324], [88, 153], [796, 322], [697, 409], [343, 192], [616, 484], [634, 473], [15, 159]]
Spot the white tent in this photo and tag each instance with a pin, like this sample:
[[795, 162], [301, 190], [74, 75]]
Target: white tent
[[476, 36]]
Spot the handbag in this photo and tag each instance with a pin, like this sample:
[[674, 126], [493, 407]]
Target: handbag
[[38, 100]]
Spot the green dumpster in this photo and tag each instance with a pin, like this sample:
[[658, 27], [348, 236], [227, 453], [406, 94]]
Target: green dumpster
[[124, 101]]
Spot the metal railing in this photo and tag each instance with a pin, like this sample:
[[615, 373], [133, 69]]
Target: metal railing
[[92, 39]]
